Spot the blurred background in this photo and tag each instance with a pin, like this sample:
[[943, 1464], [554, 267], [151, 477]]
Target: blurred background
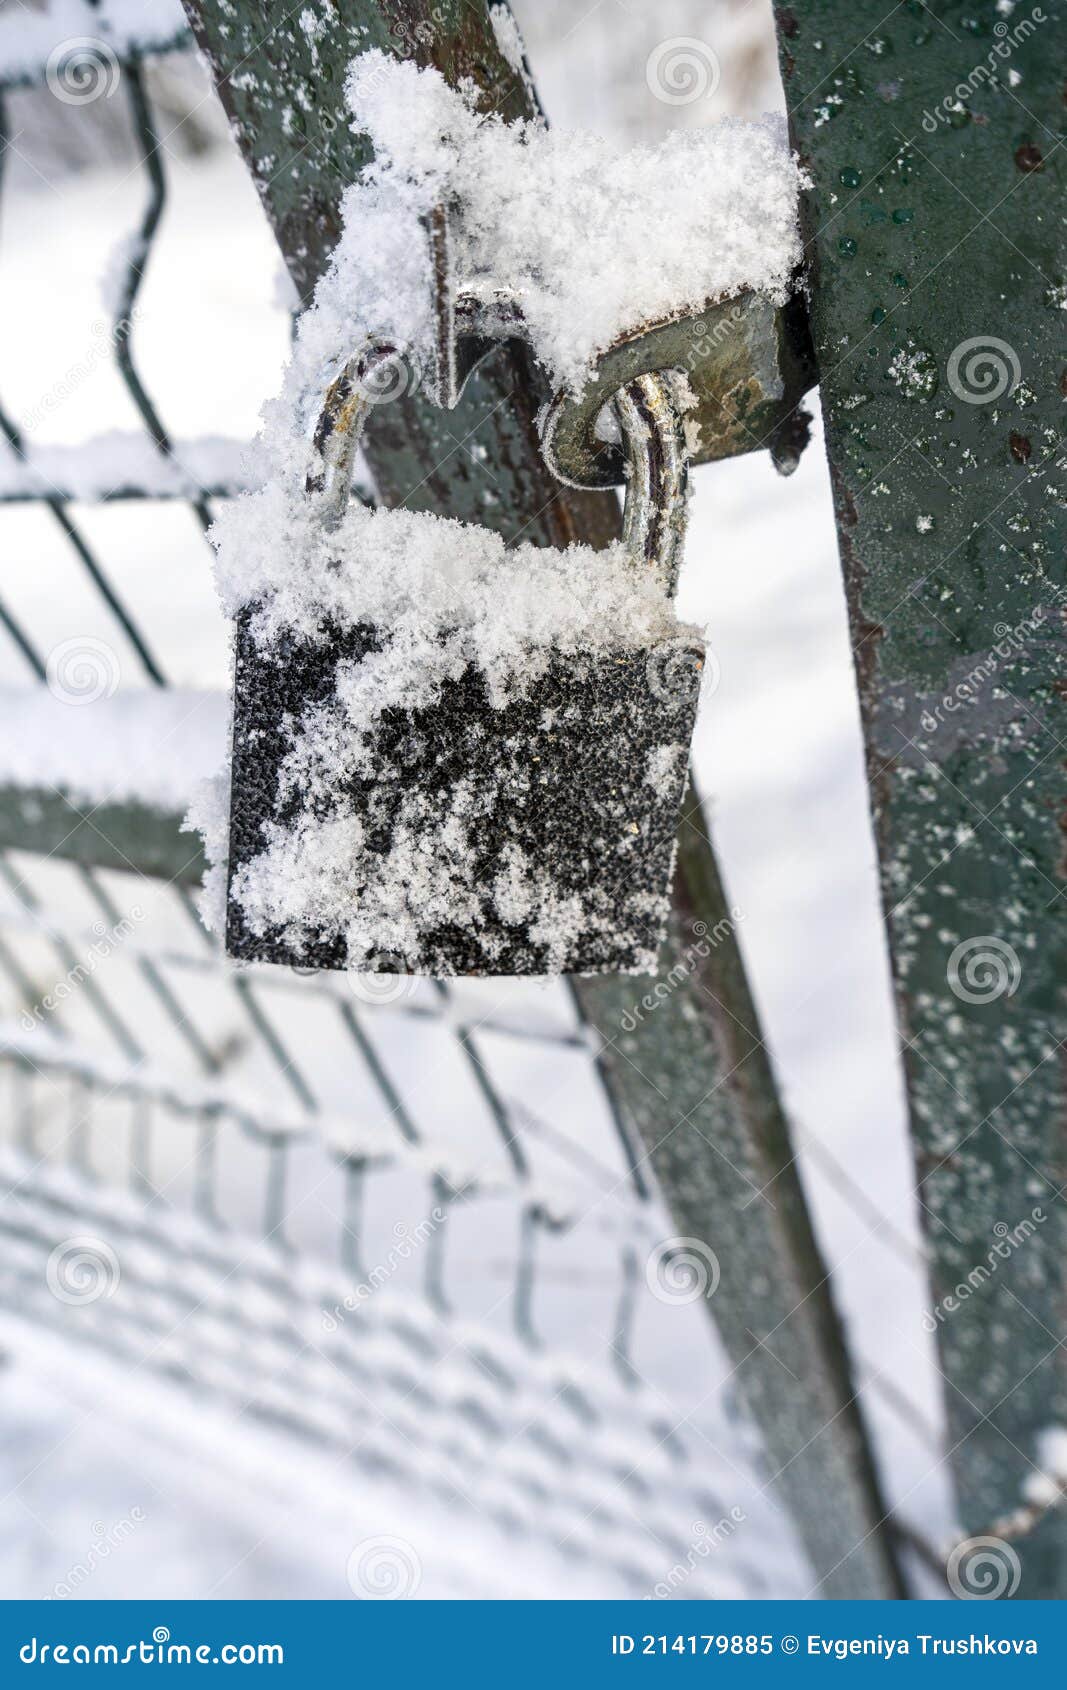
[[200, 1167]]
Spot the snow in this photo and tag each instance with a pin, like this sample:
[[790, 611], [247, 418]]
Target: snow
[[595, 239], [277, 1517], [662, 771], [208, 813], [445, 594], [114, 461], [1047, 1487], [509, 40], [29, 37], [147, 746]]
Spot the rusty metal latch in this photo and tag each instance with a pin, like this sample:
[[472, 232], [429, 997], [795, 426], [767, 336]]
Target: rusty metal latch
[[746, 363]]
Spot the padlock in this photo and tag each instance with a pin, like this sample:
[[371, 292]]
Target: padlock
[[573, 785]]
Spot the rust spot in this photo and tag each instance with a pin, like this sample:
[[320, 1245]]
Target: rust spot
[[1063, 384], [1020, 446], [928, 1161], [1059, 687], [788, 67], [867, 636], [1029, 158], [787, 23]]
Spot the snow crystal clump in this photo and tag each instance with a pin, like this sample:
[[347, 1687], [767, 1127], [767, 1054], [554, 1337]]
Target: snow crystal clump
[[596, 239], [444, 593], [209, 815], [1047, 1486]]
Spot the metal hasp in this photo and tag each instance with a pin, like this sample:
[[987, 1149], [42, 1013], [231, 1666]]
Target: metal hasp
[[935, 231], [747, 363], [695, 1075]]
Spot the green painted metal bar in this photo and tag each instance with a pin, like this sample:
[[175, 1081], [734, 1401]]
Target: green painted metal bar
[[685, 1060], [115, 836], [705, 1105], [934, 137]]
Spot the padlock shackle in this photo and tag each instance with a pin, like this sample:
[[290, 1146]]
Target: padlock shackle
[[650, 416], [339, 427]]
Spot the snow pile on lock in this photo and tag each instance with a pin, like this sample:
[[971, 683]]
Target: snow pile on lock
[[594, 239], [447, 593], [440, 600]]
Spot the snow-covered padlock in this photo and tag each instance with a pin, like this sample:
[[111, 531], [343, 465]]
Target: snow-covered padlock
[[452, 757]]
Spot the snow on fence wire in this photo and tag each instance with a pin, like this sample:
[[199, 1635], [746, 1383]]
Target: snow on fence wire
[[296, 1192]]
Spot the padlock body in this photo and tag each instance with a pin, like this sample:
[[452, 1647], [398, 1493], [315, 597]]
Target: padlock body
[[572, 793]]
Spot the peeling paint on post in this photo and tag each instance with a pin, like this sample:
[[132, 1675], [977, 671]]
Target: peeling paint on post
[[700, 1096], [934, 137]]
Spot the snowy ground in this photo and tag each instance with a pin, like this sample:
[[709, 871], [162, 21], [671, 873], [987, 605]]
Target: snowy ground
[[779, 761]]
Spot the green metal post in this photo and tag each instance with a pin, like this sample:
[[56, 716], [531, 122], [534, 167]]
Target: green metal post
[[934, 137]]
